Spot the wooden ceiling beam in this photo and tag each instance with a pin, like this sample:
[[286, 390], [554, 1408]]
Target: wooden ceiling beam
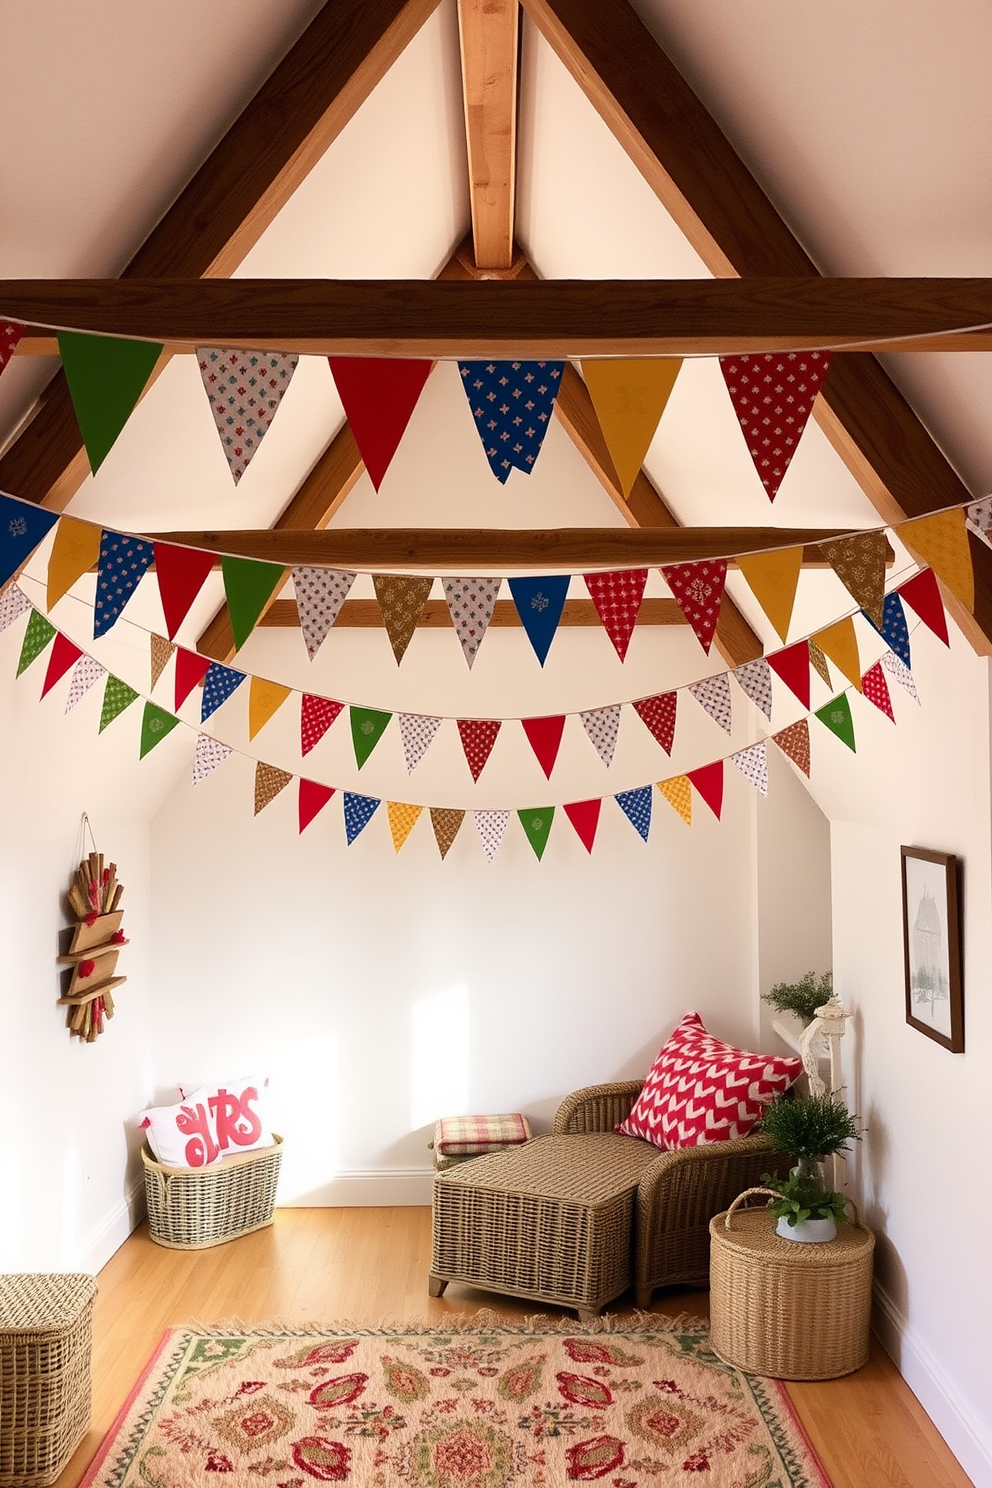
[[365, 614], [452, 549], [697, 174], [280, 135], [488, 32], [515, 317]]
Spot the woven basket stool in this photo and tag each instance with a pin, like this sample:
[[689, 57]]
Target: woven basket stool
[[551, 1220], [786, 1308], [45, 1340], [193, 1208]]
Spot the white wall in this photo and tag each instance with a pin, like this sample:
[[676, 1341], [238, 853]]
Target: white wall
[[66, 1110], [919, 1172]]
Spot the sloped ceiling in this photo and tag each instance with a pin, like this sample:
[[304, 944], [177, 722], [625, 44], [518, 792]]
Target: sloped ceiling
[[869, 128]]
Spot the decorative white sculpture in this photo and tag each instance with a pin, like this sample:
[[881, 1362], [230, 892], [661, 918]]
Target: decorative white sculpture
[[819, 1037]]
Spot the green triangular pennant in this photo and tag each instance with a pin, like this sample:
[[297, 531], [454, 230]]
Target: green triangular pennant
[[248, 585], [837, 716], [537, 825], [155, 724], [37, 636], [106, 377], [367, 728], [116, 697]]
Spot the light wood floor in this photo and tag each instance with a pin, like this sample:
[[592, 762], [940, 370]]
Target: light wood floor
[[370, 1266]]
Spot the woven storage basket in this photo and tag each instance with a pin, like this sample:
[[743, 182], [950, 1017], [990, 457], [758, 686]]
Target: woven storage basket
[[45, 1340], [785, 1308], [191, 1208]]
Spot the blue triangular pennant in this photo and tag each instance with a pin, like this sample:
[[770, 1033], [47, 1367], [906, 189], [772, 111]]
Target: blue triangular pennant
[[539, 603], [636, 807], [894, 628], [123, 560], [358, 812], [511, 403], [218, 685], [22, 526]]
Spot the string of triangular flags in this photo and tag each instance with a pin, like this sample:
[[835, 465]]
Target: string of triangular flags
[[940, 541], [707, 781], [511, 402]]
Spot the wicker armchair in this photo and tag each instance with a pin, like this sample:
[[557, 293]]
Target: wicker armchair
[[679, 1192]]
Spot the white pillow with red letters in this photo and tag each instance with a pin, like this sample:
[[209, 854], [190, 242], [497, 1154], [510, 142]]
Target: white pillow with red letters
[[237, 1114], [181, 1136], [702, 1090]]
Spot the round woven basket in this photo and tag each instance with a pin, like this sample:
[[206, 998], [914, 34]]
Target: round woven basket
[[783, 1309]]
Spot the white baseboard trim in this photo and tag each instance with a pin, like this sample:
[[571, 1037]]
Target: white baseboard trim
[[107, 1236], [381, 1188], [968, 1438]]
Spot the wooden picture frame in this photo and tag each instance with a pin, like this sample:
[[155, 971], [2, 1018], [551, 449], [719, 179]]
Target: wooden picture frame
[[931, 929]]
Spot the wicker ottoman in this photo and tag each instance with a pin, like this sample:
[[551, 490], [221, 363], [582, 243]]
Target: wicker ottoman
[[551, 1221], [45, 1339]]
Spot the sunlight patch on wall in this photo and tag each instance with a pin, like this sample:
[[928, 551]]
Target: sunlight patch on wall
[[439, 1056], [305, 1107]]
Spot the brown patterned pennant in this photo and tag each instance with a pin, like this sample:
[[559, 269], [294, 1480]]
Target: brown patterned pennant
[[819, 663], [859, 563], [269, 781], [794, 741], [161, 651], [401, 599], [446, 824]]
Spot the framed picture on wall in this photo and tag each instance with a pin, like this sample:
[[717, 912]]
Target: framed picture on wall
[[931, 929]]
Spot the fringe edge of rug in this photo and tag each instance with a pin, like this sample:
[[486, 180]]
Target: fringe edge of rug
[[483, 1319]]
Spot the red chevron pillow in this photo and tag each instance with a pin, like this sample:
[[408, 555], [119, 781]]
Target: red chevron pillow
[[702, 1090]]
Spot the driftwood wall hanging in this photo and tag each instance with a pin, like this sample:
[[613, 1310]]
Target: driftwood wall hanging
[[94, 899]]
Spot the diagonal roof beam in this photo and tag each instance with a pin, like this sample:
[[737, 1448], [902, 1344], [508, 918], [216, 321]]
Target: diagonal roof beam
[[488, 32], [254, 170], [695, 171]]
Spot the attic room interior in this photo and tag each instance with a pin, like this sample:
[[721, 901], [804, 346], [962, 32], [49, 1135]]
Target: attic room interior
[[520, 884]]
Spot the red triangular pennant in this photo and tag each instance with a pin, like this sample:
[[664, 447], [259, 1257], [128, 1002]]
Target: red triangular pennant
[[478, 735], [65, 654], [190, 669], [658, 713], [379, 395], [316, 716], [313, 798], [698, 587], [876, 690], [584, 816], [773, 393], [617, 597], [792, 665], [181, 573], [922, 594], [545, 737], [708, 780]]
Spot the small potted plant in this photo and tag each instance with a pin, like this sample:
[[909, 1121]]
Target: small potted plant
[[802, 997], [810, 1128]]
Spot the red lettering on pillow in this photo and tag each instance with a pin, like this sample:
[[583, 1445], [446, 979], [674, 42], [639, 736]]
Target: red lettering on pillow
[[236, 1122], [194, 1122]]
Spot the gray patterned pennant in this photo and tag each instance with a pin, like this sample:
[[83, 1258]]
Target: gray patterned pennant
[[320, 593], [417, 731], [471, 602], [602, 725], [753, 765], [713, 694], [755, 679]]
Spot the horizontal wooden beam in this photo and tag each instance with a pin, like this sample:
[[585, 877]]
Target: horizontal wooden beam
[[517, 317], [365, 614], [438, 549]]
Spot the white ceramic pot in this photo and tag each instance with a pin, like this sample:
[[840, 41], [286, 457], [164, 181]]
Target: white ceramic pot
[[809, 1231]]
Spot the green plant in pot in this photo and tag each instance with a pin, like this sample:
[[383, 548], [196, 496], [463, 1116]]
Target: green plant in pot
[[810, 1128], [802, 997]]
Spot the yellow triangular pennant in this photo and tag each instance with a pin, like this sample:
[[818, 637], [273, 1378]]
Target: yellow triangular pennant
[[678, 793], [629, 398], [942, 542], [264, 699], [74, 552], [840, 643], [402, 820], [773, 578]]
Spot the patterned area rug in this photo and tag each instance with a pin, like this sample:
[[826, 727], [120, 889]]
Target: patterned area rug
[[466, 1407]]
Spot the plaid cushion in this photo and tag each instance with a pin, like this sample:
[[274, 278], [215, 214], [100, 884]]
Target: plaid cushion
[[463, 1135]]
